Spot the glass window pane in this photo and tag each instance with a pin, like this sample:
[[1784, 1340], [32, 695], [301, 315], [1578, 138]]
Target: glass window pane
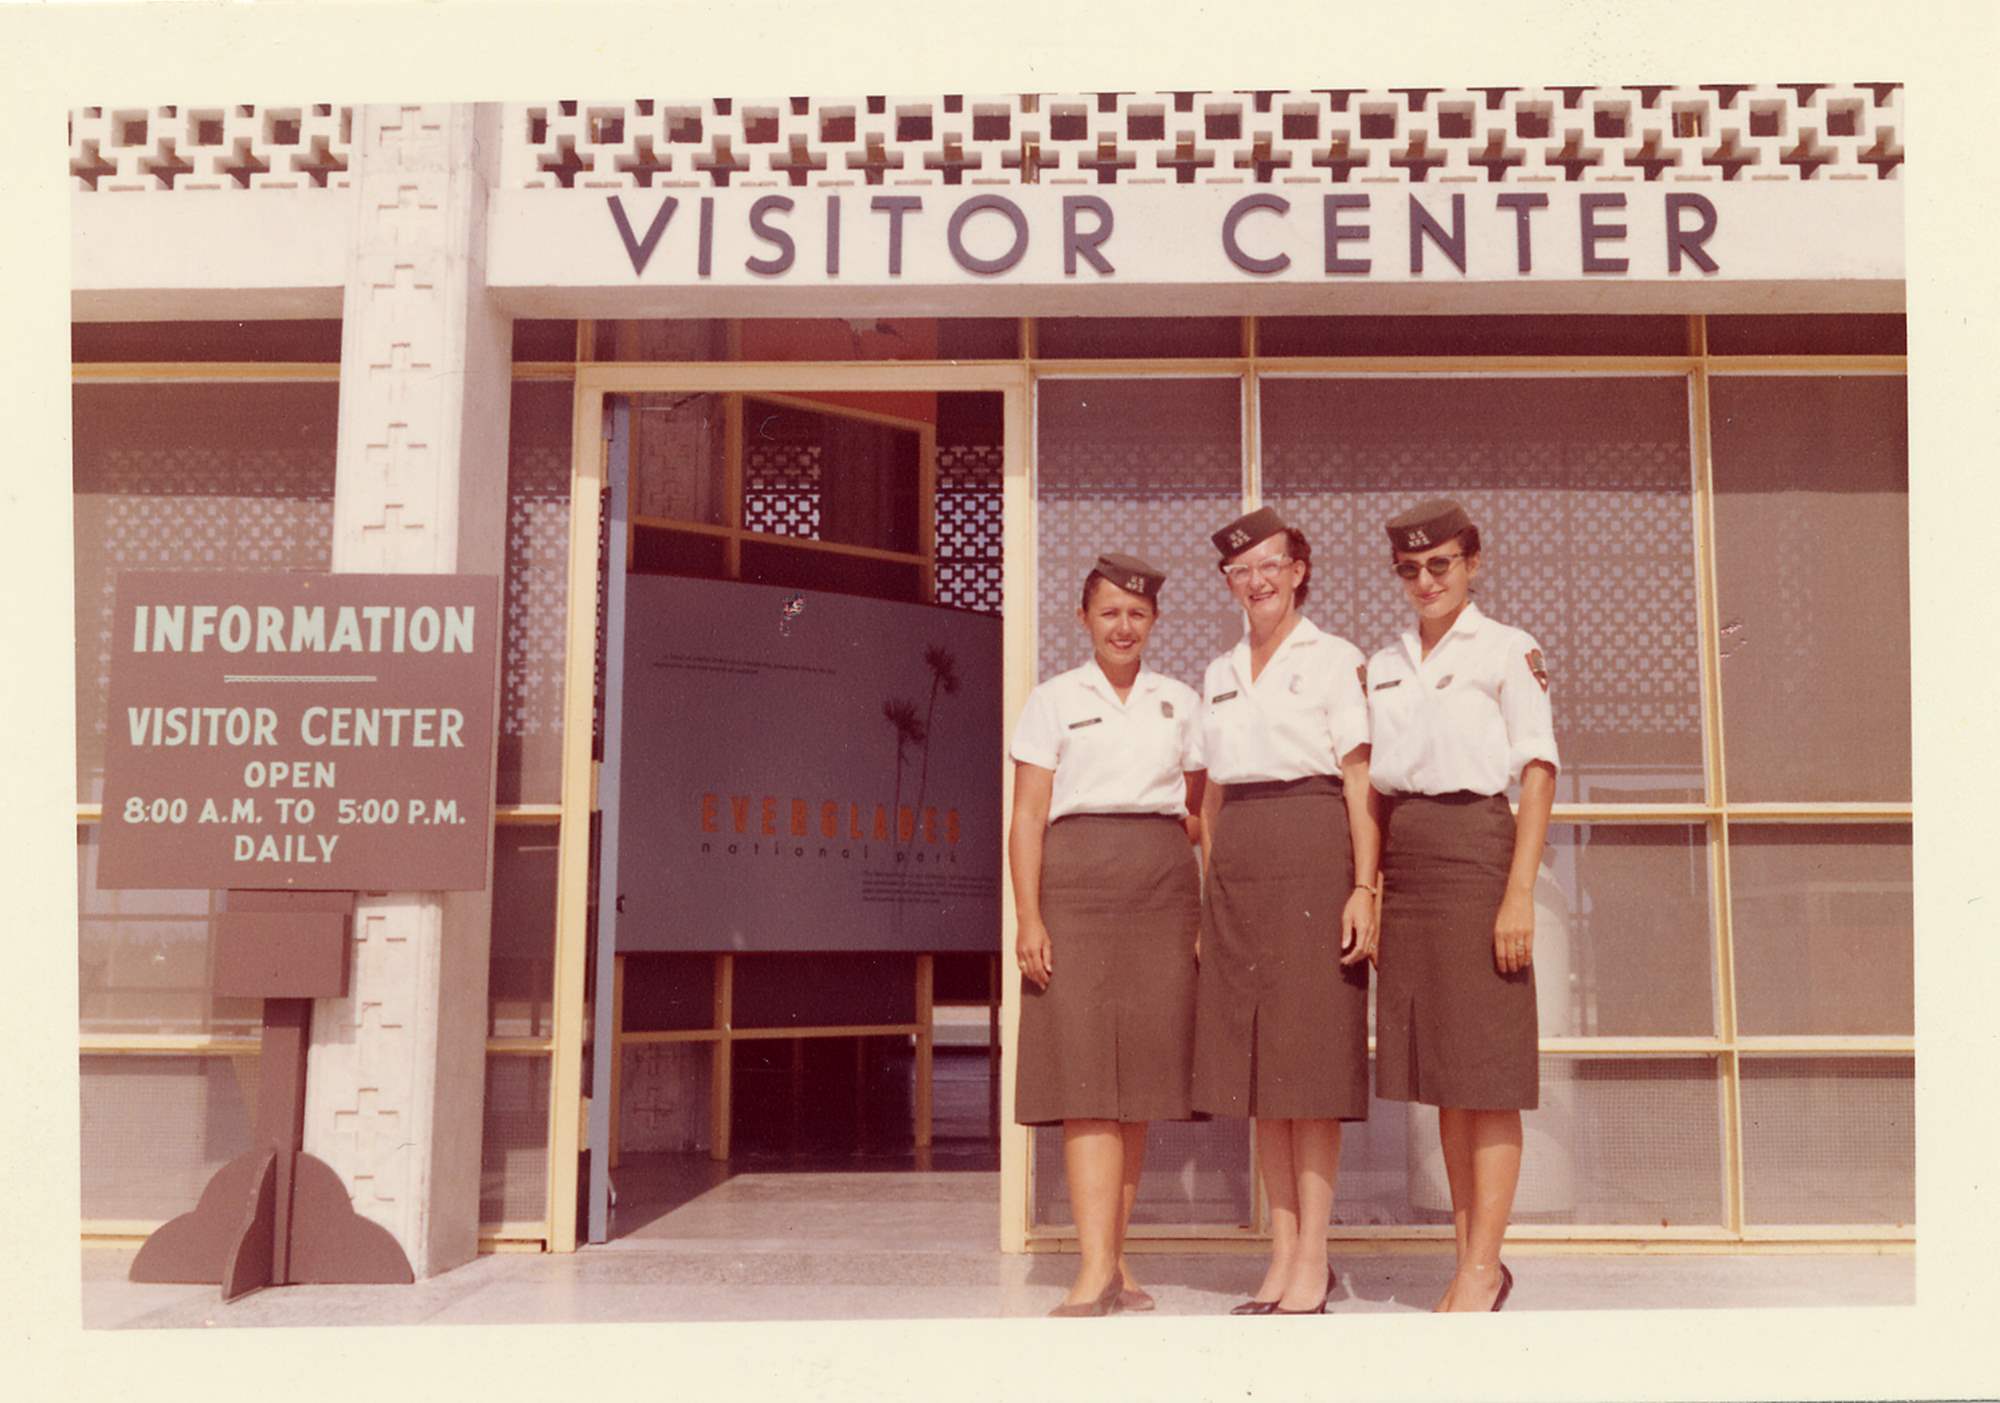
[[1197, 1174], [823, 990], [979, 338], [520, 984], [1137, 338], [678, 339], [514, 1149], [1823, 929], [1623, 940], [657, 552], [663, 1096], [1829, 1140], [969, 526], [765, 564], [188, 477], [529, 769], [1615, 1140], [260, 341], [875, 338], [1148, 468], [677, 456], [1472, 336], [544, 340], [156, 1128], [806, 339], [1813, 569], [1581, 488], [143, 959], [1819, 334], [829, 477], [668, 991]]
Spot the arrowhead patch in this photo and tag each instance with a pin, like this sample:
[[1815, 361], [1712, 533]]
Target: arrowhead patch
[[1538, 667]]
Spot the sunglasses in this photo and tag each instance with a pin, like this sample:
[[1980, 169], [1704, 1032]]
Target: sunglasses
[[1438, 565]]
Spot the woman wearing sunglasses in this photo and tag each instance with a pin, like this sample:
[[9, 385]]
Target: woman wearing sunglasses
[[1288, 910], [1460, 710], [1107, 769]]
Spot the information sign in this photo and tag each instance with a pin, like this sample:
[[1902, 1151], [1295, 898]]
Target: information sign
[[313, 732]]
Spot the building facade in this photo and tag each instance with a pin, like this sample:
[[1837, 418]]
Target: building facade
[[1651, 335]]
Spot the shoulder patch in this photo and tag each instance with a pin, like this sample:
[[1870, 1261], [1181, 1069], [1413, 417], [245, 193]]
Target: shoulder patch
[[1167, 710], [1538, 667], [1361, 675]]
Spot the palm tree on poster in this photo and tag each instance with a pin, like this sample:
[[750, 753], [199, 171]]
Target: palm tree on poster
[[901, 715], [943, 665]]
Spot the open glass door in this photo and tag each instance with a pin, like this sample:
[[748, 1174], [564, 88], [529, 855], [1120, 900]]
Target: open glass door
[[871, 503]]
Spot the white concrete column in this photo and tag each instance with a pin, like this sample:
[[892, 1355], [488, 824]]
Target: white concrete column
[[397, 1073]]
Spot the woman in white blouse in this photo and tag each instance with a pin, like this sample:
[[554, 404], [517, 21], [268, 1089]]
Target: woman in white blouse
[[1288, 912], [1460, 709], [1107, 772]]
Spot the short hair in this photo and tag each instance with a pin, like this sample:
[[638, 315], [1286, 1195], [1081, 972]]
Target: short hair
[[1300, 549]]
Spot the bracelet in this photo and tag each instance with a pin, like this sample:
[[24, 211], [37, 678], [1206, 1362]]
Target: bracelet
[[1373, 889]]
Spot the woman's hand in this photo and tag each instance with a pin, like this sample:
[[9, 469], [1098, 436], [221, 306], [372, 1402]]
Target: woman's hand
[[1035, 953], [1359, 935], [1514, 927], [1514, 932]]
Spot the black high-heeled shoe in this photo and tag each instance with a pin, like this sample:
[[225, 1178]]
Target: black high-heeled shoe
[[1506, 1285], [1319, 1309]]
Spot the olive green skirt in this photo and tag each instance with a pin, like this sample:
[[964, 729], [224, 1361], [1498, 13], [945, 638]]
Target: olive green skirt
[[1111, 1038], [1450, 1029], [1281, 1026]]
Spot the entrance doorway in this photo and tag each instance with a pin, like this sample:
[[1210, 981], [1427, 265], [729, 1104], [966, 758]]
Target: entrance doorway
[[730, 1030]]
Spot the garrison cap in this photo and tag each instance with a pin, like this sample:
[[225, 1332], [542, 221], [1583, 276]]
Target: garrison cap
[[1427, 524], [1246, 531], [1131, 574]]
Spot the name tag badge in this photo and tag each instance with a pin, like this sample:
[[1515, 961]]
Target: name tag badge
[[1385, 686], [1079, 725], [1219, 700]]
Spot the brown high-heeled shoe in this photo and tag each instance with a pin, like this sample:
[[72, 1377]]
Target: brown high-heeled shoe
[[1106, 1302], [1506, 1285], [1253, 1308], [1136, 1298]]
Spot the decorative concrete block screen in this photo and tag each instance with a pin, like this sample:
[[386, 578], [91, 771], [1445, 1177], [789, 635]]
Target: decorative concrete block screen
[[1638, 132], [1716, 131], [216, 146]]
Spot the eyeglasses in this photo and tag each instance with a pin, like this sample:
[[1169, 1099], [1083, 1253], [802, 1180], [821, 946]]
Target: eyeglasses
[[1438, 565], [1268, 569]]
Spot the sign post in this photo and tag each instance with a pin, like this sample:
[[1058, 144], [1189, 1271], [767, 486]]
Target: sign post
[[293, 740]]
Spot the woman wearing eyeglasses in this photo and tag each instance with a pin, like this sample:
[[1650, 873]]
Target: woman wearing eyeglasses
[[1460, 709], [1288, 910], [1107, 766]]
